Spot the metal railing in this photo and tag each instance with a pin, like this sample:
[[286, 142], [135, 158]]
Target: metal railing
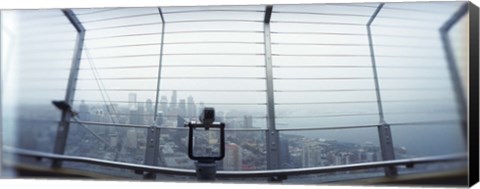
[[271, 131], [411, 162]]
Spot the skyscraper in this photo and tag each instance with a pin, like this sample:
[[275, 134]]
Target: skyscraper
[[182, 109], [84, 112], [141, 113], [191, 109], [164, 104], [247, 121], [149, 106], [284, 153], [159, 120], [173, 102], [132, 101], [180, 121]]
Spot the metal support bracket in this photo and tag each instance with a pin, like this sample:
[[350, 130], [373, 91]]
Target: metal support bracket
[[159, 66], [272, 137], [455, 77], [384, 133], [63, 127], [152, 150], [386, 146]]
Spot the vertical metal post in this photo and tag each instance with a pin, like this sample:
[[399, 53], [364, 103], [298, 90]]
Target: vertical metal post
[[452, 67], [272, 134], [153, 136], [62, 131], [159, 64], [1, 85], [472, 98], [384, 133], [152, 151]]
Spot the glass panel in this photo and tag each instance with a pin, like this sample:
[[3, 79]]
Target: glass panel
[[206, 143], [329, 147], [36, 73], [106, 142]]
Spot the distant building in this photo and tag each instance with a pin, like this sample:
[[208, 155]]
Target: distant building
[[173, 101], [149, 106], [284, 154], [132, 101], [164, 104], [233, 157], [133, 117], [180, 121], [160, 119], [191, 109], [247, 121], [141, 113], [312, 156], [370, 156], [182, 109], [83, 111]]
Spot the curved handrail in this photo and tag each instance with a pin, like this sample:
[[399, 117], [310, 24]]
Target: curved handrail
[[241, 174]]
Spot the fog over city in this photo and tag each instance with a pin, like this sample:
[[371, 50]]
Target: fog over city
[[322, 76]]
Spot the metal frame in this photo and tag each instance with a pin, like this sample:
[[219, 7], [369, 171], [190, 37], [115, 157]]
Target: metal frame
[[272, 134], [384, 133], [1, 89], [153, 133], [457, 86], [63, 127], [272, 137], [240, 174], [159, 65]]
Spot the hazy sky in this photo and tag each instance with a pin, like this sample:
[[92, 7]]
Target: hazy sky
[[315, 48]]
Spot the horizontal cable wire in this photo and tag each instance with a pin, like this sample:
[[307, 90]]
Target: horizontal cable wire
[[172, 22], [214, 20], [361, 55], [160, 127], [354, 24], [119, 17], [327, 115], [393, 8], [98, 11], [178, 54], [354, 15], [357, 78], [214, 31], [218, 10], [210, 103], [359, 114], [322, 14], [175, 43], [368, 125], [414, 10], [354, 34], [358, 102], [149, 78], [172, 32], [174, 116], [359, 90], [124, 26], [319, 23], [80, 89], [180, 65], [349, 66], [355, 44]]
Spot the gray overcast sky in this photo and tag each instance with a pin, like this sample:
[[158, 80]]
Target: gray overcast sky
[[45, 39]]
